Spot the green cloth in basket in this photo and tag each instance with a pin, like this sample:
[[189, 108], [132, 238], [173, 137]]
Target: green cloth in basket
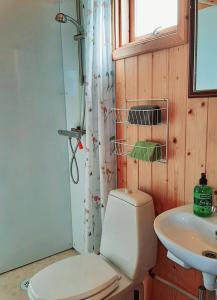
[[147, 151]]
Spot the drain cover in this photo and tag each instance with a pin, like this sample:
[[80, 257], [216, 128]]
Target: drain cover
[[210, 254], [24, 284]]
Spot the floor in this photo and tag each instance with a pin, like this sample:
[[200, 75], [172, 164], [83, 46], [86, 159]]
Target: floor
[[10, 281]]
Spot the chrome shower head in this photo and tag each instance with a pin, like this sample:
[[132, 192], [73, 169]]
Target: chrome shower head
[[61, 18]]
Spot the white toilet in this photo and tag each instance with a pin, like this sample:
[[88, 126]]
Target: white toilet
[[128, 251]]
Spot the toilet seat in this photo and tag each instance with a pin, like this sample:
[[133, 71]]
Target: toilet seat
[[74, 278]]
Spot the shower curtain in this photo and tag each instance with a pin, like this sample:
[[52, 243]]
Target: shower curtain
[[100, 165]]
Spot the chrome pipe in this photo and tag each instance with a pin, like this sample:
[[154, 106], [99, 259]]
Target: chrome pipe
[[63, 18]]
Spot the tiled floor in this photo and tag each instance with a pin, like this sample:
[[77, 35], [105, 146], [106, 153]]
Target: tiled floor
[[10, 281]]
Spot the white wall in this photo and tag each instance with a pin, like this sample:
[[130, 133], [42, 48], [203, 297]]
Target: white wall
[[73, 94], [35, 218]]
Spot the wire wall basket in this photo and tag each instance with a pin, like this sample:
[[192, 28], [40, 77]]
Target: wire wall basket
[[135, 116], [156, 153], [151, 112]]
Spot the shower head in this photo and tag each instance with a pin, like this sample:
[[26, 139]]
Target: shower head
[[63, 18]]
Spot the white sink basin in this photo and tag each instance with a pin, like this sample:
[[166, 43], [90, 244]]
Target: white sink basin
[[187, 236]]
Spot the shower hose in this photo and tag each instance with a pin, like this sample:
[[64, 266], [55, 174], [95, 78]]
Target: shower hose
[[74, 163], [74, 176]]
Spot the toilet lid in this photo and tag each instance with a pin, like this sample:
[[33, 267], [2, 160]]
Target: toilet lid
[[73, 278]]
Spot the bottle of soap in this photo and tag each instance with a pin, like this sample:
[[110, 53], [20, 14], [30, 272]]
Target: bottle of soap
[[203, 198]]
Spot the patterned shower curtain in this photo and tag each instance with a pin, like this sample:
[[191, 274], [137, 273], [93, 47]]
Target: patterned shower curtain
[[100, 165]]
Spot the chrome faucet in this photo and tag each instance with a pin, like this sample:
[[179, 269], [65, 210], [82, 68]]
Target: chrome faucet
[[214, 206]]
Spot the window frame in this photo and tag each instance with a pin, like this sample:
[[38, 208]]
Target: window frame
[[126, 45]]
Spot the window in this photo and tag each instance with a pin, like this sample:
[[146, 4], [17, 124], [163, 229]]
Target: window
[[155, 16], [148, 25]]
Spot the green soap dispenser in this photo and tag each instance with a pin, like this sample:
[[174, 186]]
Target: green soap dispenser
[[203, 198]]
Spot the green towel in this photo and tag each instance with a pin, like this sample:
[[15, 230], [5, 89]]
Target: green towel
[[147, 151]]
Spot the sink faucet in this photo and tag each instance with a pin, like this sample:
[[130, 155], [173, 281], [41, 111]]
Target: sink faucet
[[214, 206], [214, 209]]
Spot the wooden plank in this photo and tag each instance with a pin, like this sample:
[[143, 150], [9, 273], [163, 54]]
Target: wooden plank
[[120, 84], [165, 268], [151, 44], [120, 128], [195, 163], [132, 130], [125, 17], [159, 172], [113, 25], [148, 286], [211, 165], [202, 6], [144, 133], [160, 90], [195, 144], [181, 279], [116, 24], [162, 292], [145, 91], [188, 280], [178, 86], [132, 21]]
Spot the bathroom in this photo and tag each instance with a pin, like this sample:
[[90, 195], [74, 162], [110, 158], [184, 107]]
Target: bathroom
[[107, 120]]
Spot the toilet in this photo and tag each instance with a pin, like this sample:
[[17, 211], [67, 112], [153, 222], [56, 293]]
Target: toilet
[[128, 250]]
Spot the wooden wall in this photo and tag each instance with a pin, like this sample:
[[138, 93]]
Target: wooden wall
[[192, 147]]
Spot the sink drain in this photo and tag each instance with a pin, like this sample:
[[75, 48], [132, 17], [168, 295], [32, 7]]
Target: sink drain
[[24, 284], [210, 254]]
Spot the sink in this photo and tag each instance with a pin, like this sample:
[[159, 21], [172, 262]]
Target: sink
[[191, 241]]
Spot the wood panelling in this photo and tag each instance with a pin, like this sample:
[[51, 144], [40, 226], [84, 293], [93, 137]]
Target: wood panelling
[[131, 79], [195, 144], [145, 91], [120, 102], [160, 90], [177, 116], [192, 148]]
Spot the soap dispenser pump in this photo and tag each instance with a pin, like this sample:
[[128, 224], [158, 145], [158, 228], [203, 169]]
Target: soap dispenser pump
[[203, 198]]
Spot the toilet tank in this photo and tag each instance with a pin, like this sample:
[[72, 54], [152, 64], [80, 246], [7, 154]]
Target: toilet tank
[[128, 237]]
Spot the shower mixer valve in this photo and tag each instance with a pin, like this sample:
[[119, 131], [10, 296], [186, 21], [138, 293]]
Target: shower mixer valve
[[80, 145], [76, 133]]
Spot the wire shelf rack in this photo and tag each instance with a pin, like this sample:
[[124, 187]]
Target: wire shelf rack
[[143, 112], [135, 116], [153, 154]]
